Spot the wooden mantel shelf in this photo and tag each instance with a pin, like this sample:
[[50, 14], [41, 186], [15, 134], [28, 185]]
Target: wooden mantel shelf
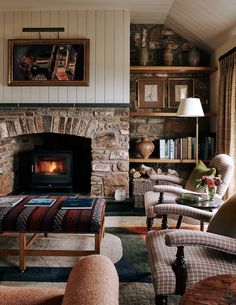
[[170, 69]]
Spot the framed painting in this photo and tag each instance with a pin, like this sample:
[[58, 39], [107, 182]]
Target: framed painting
[[151, 93], [48, 62], [178, 89]]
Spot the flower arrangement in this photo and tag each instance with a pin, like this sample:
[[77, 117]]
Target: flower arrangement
[[210, 183]]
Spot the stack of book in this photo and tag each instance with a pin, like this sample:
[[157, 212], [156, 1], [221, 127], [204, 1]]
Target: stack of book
[[184, 148], [180, 148]]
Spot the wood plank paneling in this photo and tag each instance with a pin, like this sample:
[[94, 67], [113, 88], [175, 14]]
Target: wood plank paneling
[[126, 63], [35, 92], [54, 21], [81, 33], [108, 32], [99, 56], [109, 57], [17, 33], [90, 98], [63, 22], [44, 22], [26, 22], [8, 32], [2, 27], [119, 56], [72, 33]]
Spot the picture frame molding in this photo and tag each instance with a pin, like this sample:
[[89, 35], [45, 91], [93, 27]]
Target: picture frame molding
[[85, 43], [172, 82], [158, 97]]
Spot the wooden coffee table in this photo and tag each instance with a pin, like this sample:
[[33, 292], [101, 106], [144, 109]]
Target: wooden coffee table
[[24, 221], [220, 289], [208, 205]]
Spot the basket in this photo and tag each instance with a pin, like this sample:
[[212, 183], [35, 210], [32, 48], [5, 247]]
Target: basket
[[139, 187]]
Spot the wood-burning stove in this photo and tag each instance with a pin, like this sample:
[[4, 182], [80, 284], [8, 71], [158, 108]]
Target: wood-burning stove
[[52, 170]]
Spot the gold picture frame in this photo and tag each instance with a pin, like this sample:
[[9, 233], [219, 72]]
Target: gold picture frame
[[178, 89], [48, 62], [151, 93]]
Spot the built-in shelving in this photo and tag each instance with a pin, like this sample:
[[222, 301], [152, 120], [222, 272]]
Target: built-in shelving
[[170, 69], [160, 114], [139, 113], [156, 160]]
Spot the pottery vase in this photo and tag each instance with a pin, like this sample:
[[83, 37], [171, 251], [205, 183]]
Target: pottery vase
[[144, 56], [193, 57], [168, 57], [145, 147]]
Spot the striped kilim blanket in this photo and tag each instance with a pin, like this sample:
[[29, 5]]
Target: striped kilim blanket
[[52, 219]]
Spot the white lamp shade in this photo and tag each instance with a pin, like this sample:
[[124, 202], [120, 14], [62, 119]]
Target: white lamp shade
[[190, 107]]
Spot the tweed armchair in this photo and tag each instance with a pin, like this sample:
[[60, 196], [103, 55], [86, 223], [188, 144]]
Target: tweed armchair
[[168, 188], [179, 258]]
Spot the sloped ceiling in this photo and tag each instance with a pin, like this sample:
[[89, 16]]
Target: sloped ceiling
[[206, 23]]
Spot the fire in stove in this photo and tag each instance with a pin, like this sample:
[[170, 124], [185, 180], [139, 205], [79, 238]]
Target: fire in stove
[[50, 167]]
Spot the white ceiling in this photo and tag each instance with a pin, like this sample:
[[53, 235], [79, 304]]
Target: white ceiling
[[207, 23]]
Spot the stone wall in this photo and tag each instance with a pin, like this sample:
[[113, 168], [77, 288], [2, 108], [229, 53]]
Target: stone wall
[[108, 129]]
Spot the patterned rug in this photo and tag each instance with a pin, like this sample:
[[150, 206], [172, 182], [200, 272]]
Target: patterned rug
[[124, 246]]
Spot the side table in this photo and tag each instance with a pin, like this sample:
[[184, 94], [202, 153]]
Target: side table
[[220, 289], [204, 205]]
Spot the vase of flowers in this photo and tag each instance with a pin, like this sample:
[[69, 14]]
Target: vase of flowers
[[210, 183]]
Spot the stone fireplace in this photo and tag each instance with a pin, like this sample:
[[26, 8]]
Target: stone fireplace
[[107, 130]]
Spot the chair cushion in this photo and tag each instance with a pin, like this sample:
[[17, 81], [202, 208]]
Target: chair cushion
[[199, 170], [200, 263]]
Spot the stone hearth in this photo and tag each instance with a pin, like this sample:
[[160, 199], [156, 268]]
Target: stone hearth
[[108, 129]]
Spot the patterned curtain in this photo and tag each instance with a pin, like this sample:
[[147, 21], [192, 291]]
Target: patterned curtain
[[226, 119]]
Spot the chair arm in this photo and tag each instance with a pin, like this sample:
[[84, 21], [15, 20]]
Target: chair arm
[[10, 295], [199, 238], [178, 190], [92, 281], [169, 178], [179, 209]]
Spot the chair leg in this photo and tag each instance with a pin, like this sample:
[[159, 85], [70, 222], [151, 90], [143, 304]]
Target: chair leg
[[180, 270], [149, 222], [161, 299]]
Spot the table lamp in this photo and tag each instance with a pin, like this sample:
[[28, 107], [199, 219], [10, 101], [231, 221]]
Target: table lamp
[[191, 107]]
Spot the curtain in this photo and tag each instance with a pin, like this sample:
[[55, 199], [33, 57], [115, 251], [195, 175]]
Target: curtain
[[226, 119]]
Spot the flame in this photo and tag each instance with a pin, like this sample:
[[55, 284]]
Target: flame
[[52, 167], [49, 167]]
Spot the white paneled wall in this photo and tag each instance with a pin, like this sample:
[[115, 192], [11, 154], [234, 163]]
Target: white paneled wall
[[108, 31]]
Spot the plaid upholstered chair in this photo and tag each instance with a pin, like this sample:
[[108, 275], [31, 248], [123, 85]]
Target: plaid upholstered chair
[[168, 188], [179, 258]]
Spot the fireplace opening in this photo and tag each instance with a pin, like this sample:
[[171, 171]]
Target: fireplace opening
[[52, 162], [52, 170]]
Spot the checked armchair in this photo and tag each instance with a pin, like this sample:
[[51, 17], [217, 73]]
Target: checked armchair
[[179, 258], [168, 188]]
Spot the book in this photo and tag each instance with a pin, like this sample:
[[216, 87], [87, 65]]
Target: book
[[10, 201], [40, 202], [162, 148], [78, 203]]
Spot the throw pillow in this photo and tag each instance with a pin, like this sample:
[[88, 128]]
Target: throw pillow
[[199, 170]]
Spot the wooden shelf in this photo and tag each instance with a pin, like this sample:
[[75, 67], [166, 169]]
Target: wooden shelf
[[156, 160], [171, 69], [161, 114]]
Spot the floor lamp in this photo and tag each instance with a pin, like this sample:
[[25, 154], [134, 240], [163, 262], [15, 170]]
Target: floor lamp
[[191, 107]]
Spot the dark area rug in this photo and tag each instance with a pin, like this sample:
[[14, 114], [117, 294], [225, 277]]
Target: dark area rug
[[132, 267]]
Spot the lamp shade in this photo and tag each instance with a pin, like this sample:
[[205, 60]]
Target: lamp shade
[[190, 107]]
